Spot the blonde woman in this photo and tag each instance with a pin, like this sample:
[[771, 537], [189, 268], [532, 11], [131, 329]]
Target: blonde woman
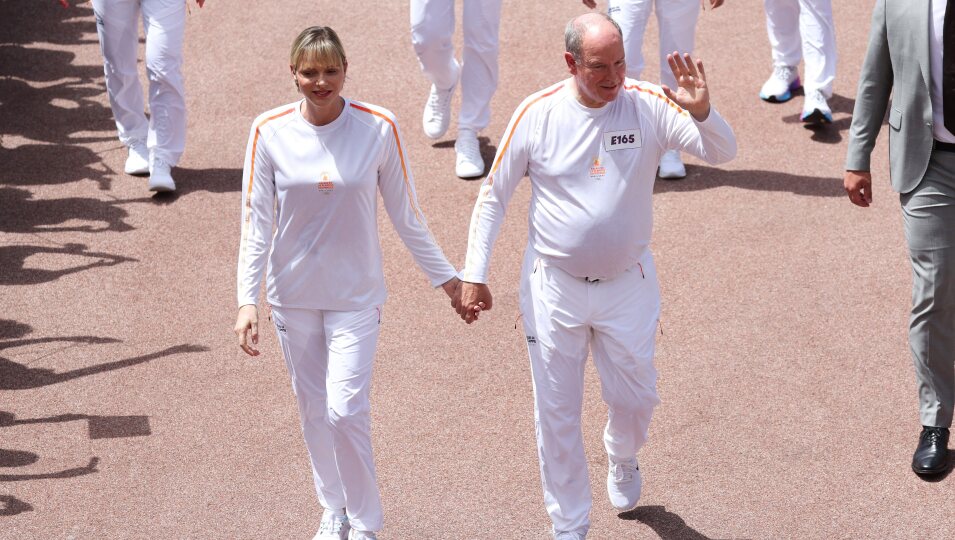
[[313, 170]]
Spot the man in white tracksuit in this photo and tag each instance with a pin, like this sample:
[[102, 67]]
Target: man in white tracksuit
[[677, 22], [155, 144], [432, 25], [590, 146], [802, 30]]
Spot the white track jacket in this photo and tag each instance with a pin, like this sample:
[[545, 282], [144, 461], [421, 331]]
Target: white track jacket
[[317, 186], [592, 173]]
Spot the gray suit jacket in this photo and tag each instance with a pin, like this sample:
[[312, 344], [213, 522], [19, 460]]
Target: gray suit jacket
[[896, 64]]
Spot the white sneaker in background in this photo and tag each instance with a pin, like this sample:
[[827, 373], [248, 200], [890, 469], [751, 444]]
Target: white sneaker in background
[[568, 535], [779, 87], [334, 526], [355, 534], [437, 111], [815, 109], [160, 176], [671, 166], [624, 484], [469, 163], [137, 162]]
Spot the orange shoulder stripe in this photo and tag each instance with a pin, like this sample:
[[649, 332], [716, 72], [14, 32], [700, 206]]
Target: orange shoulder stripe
[[659, 95], [401, 155], [255, 143], [507, 142]]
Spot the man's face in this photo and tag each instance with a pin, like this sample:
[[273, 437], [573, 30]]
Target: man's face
[[601, 70]]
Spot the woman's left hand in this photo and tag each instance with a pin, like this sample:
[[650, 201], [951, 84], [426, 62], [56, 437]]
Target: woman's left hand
[[450, 286]]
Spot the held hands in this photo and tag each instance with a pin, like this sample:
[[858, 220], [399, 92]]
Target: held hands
[[858, 186], [247, 328], [451, 286], [692, 93], [470, 300]]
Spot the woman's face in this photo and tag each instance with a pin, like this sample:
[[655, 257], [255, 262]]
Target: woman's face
[[320, 84]]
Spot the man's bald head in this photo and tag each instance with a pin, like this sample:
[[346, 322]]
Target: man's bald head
[[579, 26]]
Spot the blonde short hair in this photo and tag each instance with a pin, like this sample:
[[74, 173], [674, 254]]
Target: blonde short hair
[[319, 44]]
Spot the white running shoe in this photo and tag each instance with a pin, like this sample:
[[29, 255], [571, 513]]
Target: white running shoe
[[160, 176], [334, 526], [779, 87], [355, 534], [815, 110], [437, 111], [671, 166], [624, 484], [469, 163], [137, 162], [568, 535]]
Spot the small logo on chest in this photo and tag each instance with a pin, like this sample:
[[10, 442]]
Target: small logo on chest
[[621, 140], [325, 185], [597, 171]]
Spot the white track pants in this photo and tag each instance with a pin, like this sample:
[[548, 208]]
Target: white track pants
[[803, 29], [117, 24], [432, 25], [617, 320], [677, 21], [329, 356]]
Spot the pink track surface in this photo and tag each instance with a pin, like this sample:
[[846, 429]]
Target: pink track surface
[[789, 405]]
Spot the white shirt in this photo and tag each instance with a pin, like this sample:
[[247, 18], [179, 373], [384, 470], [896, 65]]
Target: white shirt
[[935, 57], [318, 186], [592, 172]]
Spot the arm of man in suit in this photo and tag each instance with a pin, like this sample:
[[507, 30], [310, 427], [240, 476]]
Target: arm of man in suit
[[872, 100]]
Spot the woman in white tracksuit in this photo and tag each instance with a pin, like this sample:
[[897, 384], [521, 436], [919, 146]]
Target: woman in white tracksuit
[[313, 170]]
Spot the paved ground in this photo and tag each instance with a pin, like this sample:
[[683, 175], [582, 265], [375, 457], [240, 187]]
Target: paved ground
[[789, 406]]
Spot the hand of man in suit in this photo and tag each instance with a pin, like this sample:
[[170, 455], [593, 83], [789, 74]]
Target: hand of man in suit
[[858, 186]]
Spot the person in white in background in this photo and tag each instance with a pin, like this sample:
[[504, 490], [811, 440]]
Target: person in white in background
[[590, 146], [155, 144], [432, 25], [677, 22], [313, 171], [802, 30]]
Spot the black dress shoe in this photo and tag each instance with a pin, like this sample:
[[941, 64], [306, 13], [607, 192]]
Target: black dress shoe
[[931, 455]]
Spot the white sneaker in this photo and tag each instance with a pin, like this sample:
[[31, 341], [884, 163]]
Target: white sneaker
[[779, 87], [815, 110], [160, 176], [624, 484], [137, 162], [671, 166], [437, 111], [355, 534], [469, 163], [568, 535], [334, 526]]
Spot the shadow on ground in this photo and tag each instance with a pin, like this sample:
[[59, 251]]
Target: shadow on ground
[[11, 506], [16, 376], [667, 525], [841, 120], [699, 177]]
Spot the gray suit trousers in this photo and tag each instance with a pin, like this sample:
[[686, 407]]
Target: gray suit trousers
[[929, 215]]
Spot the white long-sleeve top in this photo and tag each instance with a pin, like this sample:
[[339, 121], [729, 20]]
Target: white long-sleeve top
[[317, 185], [592, 172]]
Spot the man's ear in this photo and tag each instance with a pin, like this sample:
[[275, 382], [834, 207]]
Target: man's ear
[[571, 63]]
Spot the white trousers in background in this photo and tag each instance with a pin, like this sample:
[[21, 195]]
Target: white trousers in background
[[616, 320], [117, 23], [432, 25], [677, 21], [803, 30], [329, 355]]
